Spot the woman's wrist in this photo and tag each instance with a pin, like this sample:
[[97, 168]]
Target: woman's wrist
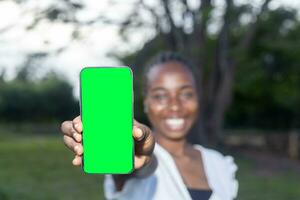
[[148, 169]]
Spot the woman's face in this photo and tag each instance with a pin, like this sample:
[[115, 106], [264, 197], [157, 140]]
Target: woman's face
[[171, 100]]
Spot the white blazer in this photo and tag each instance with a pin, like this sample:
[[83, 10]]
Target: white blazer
[[166, 182]]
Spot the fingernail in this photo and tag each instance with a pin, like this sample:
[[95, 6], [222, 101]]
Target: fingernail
[[74, 162], [76, 148], [140, 134], [74, 135], [78, 137]]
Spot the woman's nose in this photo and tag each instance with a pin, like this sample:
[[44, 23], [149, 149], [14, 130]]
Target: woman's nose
[[174, 104]]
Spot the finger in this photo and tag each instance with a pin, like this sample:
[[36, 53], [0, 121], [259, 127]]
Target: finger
[[77, 136], [73, 145], [77, 124], [77, 161], [138, 133], [144, 146], [67, 129], [140, 161]]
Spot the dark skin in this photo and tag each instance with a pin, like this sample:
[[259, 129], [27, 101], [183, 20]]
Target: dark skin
[[172, 107], [172, 95], [144, 145]]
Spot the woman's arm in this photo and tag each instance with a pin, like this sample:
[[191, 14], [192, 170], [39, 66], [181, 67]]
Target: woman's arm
[[144, 161], [148, 169]]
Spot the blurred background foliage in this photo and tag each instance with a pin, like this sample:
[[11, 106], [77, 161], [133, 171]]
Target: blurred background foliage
[[266, 92], [47, 99], [248, 58], [263, 60]]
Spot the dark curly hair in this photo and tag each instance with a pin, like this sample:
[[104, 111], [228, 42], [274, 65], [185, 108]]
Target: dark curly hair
[[164, 57]]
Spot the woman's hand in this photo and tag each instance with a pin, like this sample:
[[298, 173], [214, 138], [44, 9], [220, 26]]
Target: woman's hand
[[143, 139]]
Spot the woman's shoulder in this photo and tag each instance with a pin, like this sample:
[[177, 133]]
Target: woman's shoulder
[[221, 170], [214, 159], [215, 156]]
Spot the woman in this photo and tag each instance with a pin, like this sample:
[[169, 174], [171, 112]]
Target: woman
[[175, 169]]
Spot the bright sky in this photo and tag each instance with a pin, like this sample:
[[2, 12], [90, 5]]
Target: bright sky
[[90, 51]]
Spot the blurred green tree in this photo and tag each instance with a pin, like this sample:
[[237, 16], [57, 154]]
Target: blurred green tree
[[47, 99], [267, 89], [243, 50], [185, 28]]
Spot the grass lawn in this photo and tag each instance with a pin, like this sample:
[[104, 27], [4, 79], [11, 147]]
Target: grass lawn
[[39, 168], [262, 182]]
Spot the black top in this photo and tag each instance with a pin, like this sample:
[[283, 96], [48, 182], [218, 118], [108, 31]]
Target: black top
[[197, 194]]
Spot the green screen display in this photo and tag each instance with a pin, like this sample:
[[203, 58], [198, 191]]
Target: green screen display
[[107, 117]]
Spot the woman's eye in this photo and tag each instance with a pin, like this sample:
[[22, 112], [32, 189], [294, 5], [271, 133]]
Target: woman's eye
[[159, 97], [187, 95]]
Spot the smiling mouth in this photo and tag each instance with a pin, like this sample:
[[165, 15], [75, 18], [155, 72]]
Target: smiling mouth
[[175, 123]]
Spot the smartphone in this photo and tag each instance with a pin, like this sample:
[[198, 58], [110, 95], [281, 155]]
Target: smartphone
[[106, 104]]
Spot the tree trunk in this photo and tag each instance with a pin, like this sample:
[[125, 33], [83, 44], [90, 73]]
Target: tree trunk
[[220, 84]]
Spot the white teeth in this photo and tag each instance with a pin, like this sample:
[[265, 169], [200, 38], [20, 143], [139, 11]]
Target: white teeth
[[175, 123]]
